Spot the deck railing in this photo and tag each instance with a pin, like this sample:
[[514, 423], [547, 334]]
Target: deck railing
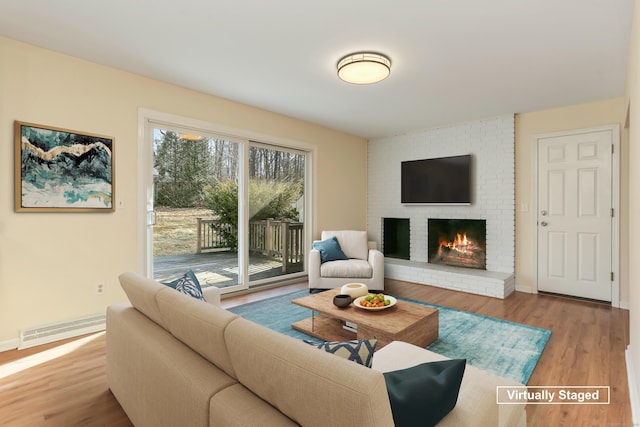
[[278, 239], [208, 237]]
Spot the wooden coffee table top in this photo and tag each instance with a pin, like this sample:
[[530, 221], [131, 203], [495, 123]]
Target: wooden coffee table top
[[394, 322]]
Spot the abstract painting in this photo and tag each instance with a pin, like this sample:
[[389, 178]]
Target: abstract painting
[[60, 170]]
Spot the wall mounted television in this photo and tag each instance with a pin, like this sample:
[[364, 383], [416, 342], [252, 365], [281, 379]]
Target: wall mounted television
[[444, 181]]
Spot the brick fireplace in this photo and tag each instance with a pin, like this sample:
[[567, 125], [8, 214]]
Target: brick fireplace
[[491, 142]]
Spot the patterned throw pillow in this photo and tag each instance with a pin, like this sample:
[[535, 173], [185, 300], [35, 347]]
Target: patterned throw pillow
[[187, 284], [359, 351]]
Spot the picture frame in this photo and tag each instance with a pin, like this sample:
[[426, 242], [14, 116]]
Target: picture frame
[[62, 170]]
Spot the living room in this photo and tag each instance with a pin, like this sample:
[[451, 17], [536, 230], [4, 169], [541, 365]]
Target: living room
[[51, 262]]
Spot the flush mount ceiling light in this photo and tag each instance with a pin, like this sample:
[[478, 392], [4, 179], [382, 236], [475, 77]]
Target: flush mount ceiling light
[[364, 67], [190, 137]]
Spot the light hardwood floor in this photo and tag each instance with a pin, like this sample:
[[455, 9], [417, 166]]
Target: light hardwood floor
[[64, 384]]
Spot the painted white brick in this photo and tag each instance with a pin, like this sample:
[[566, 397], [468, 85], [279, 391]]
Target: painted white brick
[[493, 284], [492, 143]]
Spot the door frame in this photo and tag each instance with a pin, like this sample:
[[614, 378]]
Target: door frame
[[615, 200], [145, 180]]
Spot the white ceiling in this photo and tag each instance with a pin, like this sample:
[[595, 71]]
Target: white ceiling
[[452, 60]]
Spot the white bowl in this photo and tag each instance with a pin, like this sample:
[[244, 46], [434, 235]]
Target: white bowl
[[354, 289], [392, 302]]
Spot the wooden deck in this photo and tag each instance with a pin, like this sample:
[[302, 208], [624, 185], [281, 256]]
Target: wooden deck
[[215, 268]]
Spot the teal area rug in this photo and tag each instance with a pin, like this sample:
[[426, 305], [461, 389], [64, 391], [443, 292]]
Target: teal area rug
[[508, 349]]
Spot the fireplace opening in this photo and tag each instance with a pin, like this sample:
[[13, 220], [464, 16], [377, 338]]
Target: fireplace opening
[[395, 238], [458, 242]]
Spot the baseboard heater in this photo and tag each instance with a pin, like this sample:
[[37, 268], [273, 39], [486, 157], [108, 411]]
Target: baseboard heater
[[60, 331]]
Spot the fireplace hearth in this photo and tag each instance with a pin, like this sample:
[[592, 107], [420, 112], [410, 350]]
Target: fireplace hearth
[[457, 242]]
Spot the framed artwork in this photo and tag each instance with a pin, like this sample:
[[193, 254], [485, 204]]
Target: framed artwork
[[61, 170]]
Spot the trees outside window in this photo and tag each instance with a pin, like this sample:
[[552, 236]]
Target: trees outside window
[[200, 172]]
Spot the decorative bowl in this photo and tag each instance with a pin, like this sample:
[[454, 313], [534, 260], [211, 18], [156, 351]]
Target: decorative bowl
[[392, 302], [355, 290], [342, 300]]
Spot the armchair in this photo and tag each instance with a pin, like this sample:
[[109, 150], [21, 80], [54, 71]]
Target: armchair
[[360, 261]]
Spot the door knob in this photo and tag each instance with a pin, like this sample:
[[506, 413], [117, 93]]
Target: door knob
[[543, 213], [544, 223]]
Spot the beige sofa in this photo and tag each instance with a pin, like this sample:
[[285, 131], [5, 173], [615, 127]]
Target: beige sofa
[[173, 360]]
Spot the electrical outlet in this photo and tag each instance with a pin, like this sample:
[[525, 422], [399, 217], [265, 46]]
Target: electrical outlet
[[100, 287]]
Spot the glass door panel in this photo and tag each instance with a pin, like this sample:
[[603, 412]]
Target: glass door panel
[[195, 200], [276, 212]]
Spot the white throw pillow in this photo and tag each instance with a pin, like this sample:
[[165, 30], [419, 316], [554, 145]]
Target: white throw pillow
[[352, 242]]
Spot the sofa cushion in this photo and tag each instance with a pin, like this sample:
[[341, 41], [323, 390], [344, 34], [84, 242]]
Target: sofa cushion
[[236, 406], [353, 243], [187, 284], [157, 379], [352, 269], [422, 395], [142, 292], [311, 387], [199, 326], [329, 249], [359, 351]]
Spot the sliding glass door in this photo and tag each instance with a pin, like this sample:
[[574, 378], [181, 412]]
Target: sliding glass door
[[231, 210]]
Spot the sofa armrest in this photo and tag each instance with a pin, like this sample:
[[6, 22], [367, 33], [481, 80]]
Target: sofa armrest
[[212, 295], [376, 259]]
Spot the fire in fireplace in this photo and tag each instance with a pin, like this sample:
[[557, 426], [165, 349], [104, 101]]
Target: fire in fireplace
[[458, 242]]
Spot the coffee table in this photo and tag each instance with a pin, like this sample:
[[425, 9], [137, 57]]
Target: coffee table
[[405, 321]]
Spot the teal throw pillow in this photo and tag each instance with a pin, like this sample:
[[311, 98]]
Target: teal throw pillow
[[187, 284], [422, 395], [359, 351], [330, 250]]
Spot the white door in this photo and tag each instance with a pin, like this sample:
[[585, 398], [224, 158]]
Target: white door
[[575, 214]]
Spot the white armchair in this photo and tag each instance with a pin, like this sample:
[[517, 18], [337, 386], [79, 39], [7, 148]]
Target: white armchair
[[364, 263]]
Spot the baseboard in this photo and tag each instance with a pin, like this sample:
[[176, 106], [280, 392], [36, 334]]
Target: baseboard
[[530, 290], [633, 389], [525, 289], [9, 345]]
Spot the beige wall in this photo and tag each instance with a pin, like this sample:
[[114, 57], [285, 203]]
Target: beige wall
[[633, 96], [50, 263], [593, 114]]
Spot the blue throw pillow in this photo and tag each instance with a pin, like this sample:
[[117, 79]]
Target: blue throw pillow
[[330, 250], [424, 394], [187, 284], [359, 351]]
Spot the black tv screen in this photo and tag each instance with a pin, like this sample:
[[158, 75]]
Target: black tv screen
[[445, 180]]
